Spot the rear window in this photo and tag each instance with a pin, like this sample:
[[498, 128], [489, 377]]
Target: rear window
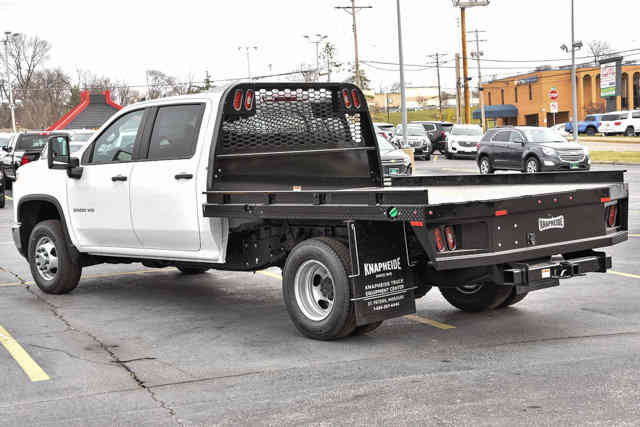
[[466, 131], [31, 142], [612, 117], [175, 132]]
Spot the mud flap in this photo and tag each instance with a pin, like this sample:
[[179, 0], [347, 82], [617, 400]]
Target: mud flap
[[382, 280]]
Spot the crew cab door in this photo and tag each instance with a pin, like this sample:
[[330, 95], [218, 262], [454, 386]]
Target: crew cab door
[[164, 195], [99, 200]]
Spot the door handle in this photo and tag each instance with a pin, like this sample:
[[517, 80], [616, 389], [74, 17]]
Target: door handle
[[118, 178], [184, 176]]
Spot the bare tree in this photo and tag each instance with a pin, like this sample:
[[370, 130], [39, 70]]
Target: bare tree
[[26, 55], [305, 73], [160, 84], [45, 100], [599, 49]]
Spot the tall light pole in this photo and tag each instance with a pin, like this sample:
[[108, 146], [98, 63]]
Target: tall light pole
[[574, 95], [403, 98], [317, 39], [463, 5], [477, 54], [8, 37], [247, 50]]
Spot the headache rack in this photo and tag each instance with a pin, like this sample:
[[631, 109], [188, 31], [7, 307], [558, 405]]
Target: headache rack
[[286, 136]]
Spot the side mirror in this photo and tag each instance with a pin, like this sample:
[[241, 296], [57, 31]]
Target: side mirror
[[6, 148], [58, 154]]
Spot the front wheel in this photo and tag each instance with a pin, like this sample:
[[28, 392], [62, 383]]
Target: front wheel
[[532, 165], [52, 267], [476, 297], [629, 131], [591, 131], [316, 290]]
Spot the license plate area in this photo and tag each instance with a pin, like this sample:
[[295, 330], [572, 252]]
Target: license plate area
[[574, 165]]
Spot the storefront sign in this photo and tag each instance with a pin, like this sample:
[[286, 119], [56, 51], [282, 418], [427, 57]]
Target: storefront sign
[[608, 78]]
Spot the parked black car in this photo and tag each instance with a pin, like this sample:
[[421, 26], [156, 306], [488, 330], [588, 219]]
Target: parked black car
[[395, 162], [437, 132], [530, 150], [23, 147]]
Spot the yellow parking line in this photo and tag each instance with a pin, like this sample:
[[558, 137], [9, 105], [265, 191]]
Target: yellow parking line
[[3, 285], [435, 157], [426, 321], [7, 197], [634, 276], [271, 274], [634, 235], [28, 365]]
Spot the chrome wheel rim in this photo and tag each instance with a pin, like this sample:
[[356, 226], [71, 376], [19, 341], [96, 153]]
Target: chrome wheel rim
[[46, 258], [470, 289], [532, 166], [484, 167], [315, 290]]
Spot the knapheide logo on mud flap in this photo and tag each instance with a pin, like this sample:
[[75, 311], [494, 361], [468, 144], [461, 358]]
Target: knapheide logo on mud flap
[[379, 267], [549, 223]]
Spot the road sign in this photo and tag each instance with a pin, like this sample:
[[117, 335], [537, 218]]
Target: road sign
[[554, 94], [553, 107]]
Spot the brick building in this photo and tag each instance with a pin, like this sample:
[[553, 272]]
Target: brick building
[[524, 99]]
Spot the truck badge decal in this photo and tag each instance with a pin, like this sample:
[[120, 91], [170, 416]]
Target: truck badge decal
[[549, 223], [377, 267]]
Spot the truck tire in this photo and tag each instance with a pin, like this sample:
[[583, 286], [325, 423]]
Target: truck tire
[[316, 291], [365, 329], [185, 269], [591, 131], [52, 266], [512, 299], [477, 297]]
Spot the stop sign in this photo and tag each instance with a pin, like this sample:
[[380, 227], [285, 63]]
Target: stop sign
[[554, 94]]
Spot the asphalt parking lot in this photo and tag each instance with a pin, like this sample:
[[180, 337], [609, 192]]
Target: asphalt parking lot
[[138, 346]]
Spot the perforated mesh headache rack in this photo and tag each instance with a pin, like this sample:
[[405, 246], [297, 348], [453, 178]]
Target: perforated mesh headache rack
[[289, 117], [277, 134]]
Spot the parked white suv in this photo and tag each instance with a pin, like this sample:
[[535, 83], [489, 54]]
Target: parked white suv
[[463, 140], [625, 123]]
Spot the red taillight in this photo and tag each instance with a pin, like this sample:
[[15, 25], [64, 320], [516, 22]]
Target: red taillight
[[237, 100], [617, 123], [478, 145], [612, 216], [442, 134], [24, 160], [248, 100], [356, 99], [345, 98], [450, 234], [437, 233], [385, 136]]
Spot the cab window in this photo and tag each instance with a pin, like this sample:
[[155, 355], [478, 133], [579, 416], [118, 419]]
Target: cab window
[[116, 143], [175, 132]]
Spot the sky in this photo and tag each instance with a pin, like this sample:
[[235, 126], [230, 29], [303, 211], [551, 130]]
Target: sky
[[123, 38]]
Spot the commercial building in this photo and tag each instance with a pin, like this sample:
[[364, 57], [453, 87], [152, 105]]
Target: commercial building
[[524, 99], [92, 111]]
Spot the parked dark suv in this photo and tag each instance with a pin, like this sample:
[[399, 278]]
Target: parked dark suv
[[437, 132], [531, 150]]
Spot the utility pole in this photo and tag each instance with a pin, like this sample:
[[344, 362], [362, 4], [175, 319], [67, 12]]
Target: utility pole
[[353, 9], [403, 98], [575, 45], [478, 53], [247, 50], [9, 36], [463, 5], [437, 57], [458, 94]]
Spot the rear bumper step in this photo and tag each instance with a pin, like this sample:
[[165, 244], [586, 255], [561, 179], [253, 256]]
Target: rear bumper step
[[530, 277]]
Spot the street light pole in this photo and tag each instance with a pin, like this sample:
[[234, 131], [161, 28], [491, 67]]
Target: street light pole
[[403, 98], [573, 76], [247, 50], [12, 107], [318, 39]]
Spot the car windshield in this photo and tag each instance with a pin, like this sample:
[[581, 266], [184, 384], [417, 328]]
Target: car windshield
[[384, 145], [31, 142], [81, 137], [612, 117], [446, 127], [542, 135], [591, 118], [412, 131], [467, 131]]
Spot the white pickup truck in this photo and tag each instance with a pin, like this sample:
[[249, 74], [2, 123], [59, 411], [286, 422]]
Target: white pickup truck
[[256, 175]]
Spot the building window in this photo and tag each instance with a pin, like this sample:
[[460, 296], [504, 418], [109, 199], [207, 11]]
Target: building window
[[515, 93], [530, 92], [489, 93], [502, 96]]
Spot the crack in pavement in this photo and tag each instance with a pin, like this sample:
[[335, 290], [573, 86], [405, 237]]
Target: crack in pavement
[[55, 311], [73, 356]]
